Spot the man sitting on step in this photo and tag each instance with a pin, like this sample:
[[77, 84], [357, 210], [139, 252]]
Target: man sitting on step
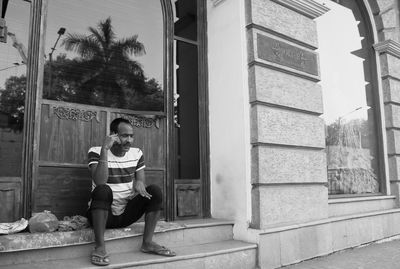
[[119, 196]]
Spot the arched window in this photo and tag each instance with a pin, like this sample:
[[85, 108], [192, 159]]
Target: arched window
[[350, 96]]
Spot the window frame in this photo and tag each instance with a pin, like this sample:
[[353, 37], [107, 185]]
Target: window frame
[[365, 14]]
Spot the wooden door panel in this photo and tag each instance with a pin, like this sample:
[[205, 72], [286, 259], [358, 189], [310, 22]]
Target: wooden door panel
[[65, 139], [149, 137], [67, 131], [11, 152], [157, 177], [10, 199], [188, 200], [65, 191]]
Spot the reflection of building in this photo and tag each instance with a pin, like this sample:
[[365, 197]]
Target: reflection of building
[[10, 144], [251, 145]]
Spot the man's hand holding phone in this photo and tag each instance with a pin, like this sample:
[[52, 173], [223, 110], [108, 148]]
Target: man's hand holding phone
[[110, 140]]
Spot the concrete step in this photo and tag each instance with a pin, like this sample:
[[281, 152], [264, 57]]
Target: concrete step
[[29, 248], [228, 254]]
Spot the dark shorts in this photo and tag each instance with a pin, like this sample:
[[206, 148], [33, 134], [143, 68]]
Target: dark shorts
[[102, 198]]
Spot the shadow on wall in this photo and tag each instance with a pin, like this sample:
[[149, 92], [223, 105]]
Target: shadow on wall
[[224, 198]]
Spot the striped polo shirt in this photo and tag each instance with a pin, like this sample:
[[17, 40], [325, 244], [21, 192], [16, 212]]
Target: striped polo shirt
[[121, 174]]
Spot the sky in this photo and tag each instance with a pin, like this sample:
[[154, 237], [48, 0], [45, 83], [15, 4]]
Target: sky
[[129, 17]]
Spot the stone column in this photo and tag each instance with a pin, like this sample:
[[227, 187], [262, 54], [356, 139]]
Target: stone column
[[389, 56], [386, 16], [289, 177]]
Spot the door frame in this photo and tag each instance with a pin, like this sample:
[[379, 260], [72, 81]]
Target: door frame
[[31, 103], [203, 108], [203, 117], [166, 7]]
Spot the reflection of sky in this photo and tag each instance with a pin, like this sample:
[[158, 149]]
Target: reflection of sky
[[342, 76], [129, 17]]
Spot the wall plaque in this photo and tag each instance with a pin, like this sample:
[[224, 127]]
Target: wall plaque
[[279, 52]]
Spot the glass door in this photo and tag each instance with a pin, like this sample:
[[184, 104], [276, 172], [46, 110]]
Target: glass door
[[190, 119], [99, 67], [13, 62]]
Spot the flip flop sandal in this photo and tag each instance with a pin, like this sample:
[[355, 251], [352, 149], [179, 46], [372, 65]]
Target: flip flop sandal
[[99, 260], [163, 251]]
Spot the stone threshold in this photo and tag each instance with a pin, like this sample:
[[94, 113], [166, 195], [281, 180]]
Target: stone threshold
[[31, 241], [193, 256]]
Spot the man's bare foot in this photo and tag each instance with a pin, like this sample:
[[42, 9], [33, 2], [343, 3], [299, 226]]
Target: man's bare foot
[[99, 257]]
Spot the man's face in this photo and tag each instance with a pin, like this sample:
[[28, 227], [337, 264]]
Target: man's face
[[125, 134]]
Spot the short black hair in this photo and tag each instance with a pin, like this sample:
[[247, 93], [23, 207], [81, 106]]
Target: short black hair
[[115, 123]]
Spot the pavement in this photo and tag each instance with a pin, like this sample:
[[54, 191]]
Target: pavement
[[382, 255]]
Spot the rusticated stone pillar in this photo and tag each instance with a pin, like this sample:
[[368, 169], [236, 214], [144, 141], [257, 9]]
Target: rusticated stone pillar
[[289, 178]]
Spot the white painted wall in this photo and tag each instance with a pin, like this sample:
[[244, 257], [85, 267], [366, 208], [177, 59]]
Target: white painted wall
[[229, 112]]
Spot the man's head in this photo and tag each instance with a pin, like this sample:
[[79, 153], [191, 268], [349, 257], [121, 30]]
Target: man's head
[[124, 129]]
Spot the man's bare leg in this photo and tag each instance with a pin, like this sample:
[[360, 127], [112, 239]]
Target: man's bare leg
[[150, 222], [99, 220], [148, 245]]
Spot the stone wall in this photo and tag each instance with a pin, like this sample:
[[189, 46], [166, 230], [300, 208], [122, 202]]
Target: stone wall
[[389, 52], [291, 212]]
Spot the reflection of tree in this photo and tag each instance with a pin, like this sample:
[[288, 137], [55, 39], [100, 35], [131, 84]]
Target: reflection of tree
[[12, 101], [104, 74], [65, 80], [354, 133], [151, 98], [350, 158]]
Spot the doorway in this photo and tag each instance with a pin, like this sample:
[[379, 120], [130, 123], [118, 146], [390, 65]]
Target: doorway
[[78, 94], [191, 182]]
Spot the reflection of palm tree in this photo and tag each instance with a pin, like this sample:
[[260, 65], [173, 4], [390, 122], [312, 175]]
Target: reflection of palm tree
[[105, 68]]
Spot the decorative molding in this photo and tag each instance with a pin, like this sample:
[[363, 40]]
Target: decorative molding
[[143, 122], [285, 107], [275, 145], [388, 46], [286, 70], [67, 113], [309, 8], [346, 200], [217, 2], [269, 184]]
